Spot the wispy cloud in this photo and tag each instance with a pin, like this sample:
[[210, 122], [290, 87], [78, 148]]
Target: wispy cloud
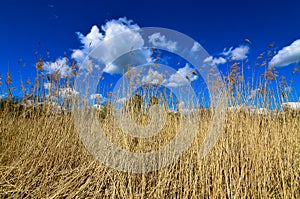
[[288, 55], [53, 16], [237, 54]]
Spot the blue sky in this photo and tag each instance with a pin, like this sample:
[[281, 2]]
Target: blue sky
[[39, 26]]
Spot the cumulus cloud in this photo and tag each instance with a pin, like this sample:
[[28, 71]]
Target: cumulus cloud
[[122, 100], [253, 94], [185, 109], [92, 39], [79, 55], [237, 54], [68, 93], [182, 77], [291, 105], [124, 62], [48, 86], [117, 39], [97, 106], [97, 97], [214, 61], [196, 47], [288, 89], [161, 41], [288, 55], [60, 66], [153, 77]]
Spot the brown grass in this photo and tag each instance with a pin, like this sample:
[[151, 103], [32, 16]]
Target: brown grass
[[256, 157], [42, 156]]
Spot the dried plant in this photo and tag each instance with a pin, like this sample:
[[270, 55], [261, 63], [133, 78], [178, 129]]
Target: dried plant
[[42, 155]]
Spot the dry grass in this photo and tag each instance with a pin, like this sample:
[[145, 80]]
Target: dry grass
[[42, 156], [256, 157]]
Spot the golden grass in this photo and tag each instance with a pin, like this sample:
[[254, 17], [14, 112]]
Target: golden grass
[[41, 156]]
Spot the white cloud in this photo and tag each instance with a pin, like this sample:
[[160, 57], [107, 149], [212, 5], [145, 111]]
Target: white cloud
[[161, 41], [92, 39], [253, 94], [98, 97], [60, 66], [48, 86], [153, 77], [238, 53], [214, 61], [182, 77], [121, 64], [185, 109], [288, 55], [122, 100], [119, 37], [259, 111], [95, 96], [290, 105], [288, 89], [78, 55], [249, 109], [97, 106], [68, 93], [227, 52], [196, 47]]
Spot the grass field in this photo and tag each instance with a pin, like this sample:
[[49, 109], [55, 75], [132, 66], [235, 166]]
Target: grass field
[[256, 155], [41, 156]]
